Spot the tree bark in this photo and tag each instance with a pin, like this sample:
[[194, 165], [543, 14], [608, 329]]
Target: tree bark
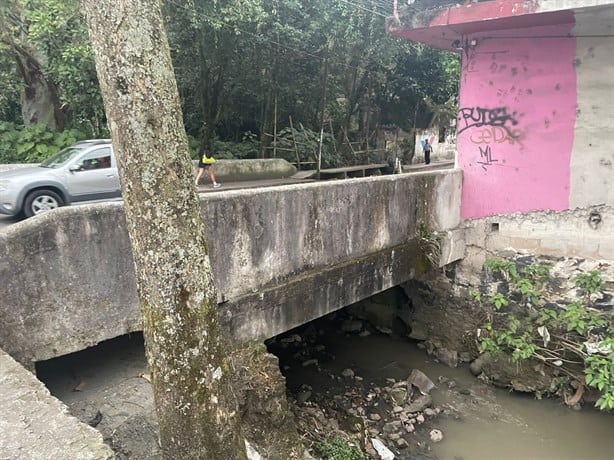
[[40, 101], [186, 353]]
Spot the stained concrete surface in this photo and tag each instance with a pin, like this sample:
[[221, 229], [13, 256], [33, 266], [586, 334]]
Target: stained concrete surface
[[34, 425]]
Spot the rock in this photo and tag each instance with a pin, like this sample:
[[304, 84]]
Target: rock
[[309, 362], [303, 396], [375, 417], [451, 384], [402, 443], [351, 325], [364, 334], [418, 379], [419, 404], [392, 427], [397, 409], [448, 357], [420, 418], [409, 427], [399, 395], [430, 412], [348, 373], [477, 365], [436, 435]]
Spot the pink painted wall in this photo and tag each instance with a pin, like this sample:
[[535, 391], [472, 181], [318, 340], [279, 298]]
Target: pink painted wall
[[516, 121]]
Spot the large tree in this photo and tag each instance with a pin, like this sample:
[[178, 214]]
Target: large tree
[[185, 351], [40, 101]]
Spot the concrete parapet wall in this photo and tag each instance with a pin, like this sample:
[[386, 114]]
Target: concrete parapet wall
[[36, 426], [68, 280], [246, 170]]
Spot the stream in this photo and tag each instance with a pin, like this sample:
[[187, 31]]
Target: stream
[[478, 421], [486, 422]]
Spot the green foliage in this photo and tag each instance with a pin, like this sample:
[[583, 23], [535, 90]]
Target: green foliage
[[599, 374], [498, 300], [33, 145], [307, 144], [248, 148], [248, 67], [590, 283], [338, 449], [53, 34], [430, 244], [557, 337], [506, 268]]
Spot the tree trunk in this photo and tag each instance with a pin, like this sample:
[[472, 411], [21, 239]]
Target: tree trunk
[[186, 353], [40, 102]]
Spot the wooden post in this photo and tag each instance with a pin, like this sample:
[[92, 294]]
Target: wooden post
[[275, 129], [298, 158]]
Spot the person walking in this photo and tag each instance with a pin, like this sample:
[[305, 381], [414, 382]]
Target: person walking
[[427, 148], [205, 163]]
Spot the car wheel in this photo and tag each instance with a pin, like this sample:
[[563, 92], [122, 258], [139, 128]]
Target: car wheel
[[40, 201]]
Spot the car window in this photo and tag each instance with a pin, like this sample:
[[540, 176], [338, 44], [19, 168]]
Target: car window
[[62, 157], [96, 159]]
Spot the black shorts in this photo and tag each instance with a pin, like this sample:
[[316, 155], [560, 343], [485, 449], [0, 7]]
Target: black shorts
[[203, 165]]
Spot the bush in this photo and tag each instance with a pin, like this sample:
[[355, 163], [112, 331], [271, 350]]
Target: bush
[[33, 145]]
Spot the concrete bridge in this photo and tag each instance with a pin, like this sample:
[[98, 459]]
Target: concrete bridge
[[281, 256]]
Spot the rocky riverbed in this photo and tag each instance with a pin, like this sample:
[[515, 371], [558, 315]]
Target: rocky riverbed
[[383, 415], [347, 383]]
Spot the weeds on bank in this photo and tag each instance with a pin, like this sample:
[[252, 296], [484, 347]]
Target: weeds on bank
[[338, 449], [576, 339]]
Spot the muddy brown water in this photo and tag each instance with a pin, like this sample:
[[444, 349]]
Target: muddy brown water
[[491, 424]]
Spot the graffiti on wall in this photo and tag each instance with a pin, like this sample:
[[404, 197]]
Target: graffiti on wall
[[476, 117], [486, 158], [487, 129], [493, 135]]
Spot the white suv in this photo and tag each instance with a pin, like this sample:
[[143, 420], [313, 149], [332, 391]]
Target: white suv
[[85, 171]]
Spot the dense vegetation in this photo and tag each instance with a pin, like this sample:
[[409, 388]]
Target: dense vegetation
[[574, 340], [246, 70]]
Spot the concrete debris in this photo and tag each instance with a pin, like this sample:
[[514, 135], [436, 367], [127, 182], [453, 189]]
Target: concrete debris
[[419, 379], [383, 452]]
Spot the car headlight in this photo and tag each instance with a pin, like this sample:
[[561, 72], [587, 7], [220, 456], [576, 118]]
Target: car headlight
[[4, 185]]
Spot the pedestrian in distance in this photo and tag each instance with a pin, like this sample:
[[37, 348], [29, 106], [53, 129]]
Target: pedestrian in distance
[[427, 148], [205, 163]]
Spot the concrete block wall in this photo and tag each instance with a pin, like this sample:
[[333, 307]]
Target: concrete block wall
[[583, 232]]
